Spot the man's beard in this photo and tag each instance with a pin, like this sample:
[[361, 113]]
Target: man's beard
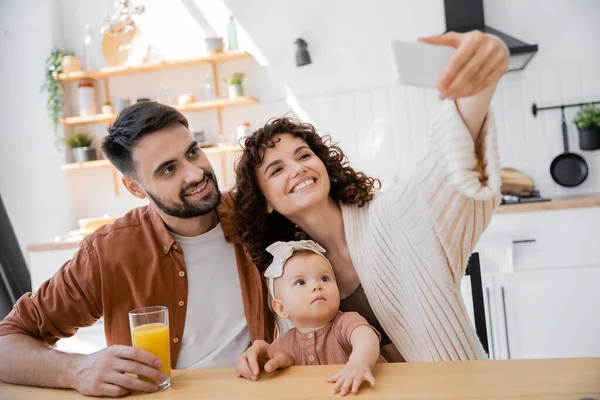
[[186, 210]]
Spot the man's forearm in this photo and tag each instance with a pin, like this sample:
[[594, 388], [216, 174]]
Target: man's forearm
[[27, 361]]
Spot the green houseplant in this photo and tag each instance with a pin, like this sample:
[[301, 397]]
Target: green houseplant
[[52, 87], [587, 120], [235, 81], [81, 144]]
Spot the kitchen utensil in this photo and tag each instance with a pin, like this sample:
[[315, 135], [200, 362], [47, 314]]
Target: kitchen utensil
[[568, 169], [515, 182]]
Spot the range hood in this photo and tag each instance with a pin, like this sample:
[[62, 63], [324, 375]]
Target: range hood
[[467, 15]]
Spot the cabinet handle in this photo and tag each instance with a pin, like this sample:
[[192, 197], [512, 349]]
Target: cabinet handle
[[505, 323], [487, 294], [524, 241]]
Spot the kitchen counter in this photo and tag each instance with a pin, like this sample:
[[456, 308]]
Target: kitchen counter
[[52, 246], [560, 203], [548, 379]]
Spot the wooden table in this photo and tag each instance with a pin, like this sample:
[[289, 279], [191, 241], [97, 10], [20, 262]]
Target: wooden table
[[571, 379]]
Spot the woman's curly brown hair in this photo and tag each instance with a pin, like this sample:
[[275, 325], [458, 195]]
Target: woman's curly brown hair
[[260, 229]]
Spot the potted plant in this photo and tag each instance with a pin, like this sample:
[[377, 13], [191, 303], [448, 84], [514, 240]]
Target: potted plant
[[234, 82], [52, 87], [81, 144], [587, 120], [107, 107]]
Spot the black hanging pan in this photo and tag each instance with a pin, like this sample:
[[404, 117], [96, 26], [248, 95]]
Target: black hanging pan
[[568, 169]]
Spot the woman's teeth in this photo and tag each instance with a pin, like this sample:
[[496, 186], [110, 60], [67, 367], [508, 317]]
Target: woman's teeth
[[302, 185], [198, 189]]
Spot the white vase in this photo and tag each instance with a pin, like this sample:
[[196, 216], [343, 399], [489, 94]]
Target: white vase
[[235, 91], [107, 109]]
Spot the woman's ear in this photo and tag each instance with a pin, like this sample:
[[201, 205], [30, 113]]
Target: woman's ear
[[269, 209], [278, 308]]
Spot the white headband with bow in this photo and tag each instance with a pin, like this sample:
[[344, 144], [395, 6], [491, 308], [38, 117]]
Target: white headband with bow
[[281, 252]]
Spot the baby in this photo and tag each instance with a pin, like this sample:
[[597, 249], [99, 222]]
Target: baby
[[306, 293]]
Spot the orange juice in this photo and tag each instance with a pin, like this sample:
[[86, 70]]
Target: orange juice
[[154, 338]]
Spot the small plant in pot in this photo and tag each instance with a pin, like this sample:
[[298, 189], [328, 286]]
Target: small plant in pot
[[81, 144], [234, 82], [587, 120], [107, 107]]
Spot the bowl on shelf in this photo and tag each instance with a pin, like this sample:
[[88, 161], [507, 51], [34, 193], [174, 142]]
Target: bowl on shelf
[[89, 225]]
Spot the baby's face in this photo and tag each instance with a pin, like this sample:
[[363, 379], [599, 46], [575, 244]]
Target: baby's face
[[307, 292]]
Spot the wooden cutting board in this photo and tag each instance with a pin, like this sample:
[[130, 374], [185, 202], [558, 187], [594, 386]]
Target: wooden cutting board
[[515, 181]]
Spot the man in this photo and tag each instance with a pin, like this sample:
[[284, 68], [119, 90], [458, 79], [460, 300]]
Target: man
[[180, 251]]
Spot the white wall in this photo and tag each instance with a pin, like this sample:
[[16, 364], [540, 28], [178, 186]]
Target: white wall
[[32, 185], [566, 68], [349, 91]]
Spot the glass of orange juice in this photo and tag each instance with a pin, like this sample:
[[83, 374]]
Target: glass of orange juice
[[150, 332]]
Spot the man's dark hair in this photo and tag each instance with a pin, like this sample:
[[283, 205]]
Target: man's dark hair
[[132, 124]]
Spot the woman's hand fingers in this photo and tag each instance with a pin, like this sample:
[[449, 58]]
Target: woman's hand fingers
[[466, 45], [480, 60], [468, 79]]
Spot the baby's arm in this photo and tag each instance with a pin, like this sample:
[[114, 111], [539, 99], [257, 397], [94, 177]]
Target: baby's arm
[[365, 353], [365, 346]]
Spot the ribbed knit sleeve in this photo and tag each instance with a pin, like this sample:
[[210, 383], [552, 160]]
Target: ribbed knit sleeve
[[453, 192]]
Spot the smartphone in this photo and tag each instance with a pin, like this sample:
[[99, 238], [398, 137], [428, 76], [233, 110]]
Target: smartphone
[[420, 64]]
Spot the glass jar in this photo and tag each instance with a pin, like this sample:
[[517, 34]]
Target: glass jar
[[86, 99]]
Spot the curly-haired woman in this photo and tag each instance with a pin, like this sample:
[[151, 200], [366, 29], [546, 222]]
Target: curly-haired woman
[[398, 254]]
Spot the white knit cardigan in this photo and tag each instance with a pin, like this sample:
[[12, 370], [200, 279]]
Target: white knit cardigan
[[411, 243]]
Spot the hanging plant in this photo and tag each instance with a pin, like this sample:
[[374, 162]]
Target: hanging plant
[[52, 87]]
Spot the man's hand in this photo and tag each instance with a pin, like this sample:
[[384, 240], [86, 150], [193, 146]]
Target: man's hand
[[349, 379], [261, 354], [103, 373]]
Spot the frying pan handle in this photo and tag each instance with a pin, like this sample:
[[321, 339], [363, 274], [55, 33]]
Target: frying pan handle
[[564, 130]]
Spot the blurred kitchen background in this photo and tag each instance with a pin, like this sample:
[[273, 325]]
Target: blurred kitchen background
[[540, 260]]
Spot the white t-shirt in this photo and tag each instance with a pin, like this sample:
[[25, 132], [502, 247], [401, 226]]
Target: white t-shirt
[[215, 332]]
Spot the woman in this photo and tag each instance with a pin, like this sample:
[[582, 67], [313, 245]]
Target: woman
[[398, 255]]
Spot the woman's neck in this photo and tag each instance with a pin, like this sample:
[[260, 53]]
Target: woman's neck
[[324, 225]]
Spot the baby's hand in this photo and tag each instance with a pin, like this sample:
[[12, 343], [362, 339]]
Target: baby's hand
[[261, 354], [351, 377]]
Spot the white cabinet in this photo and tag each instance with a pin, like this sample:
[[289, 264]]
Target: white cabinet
[[551, 313], [548, 306]]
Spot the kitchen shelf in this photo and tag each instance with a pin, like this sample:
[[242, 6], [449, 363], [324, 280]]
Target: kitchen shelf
[[220, 150], [109, 72], [198, 106], [90, 119], [87, 165]]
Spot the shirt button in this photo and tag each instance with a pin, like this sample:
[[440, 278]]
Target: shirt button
[[176, 340], [181, 303], [165, 248], [311, 358], [175, 246], [310, 335], [32, 296], [181, 273]]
